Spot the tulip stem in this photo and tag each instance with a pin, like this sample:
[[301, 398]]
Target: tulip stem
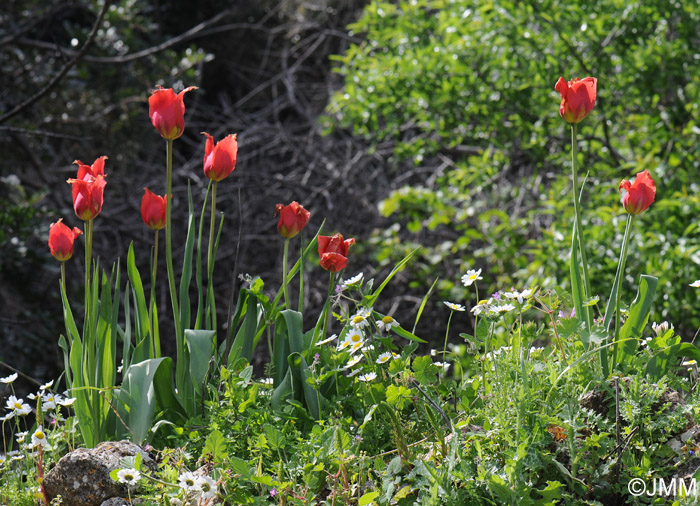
[[618, 279], [63, 275], [579, 228], [285, 278], [88, 261], [327, 309], [155, 340], [210, 259], [301, 274], [179, 339]]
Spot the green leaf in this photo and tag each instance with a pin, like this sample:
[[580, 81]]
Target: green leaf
[[397, 396], [638, 317], [215, 445], [275, 438], [200, 345], [137, 397], [367, 498], [425, 371]]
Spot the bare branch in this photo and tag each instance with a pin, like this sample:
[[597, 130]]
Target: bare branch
[[70, 64]]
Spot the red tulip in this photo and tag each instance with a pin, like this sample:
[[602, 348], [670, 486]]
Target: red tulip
[[220, 159], [167, 111], [293, 219], [61, 239], [333, 251], [639, 195], [153, 208], [88, 189], [577, 98]]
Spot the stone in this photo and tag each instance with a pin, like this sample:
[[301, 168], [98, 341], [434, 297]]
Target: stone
[[82, 477]]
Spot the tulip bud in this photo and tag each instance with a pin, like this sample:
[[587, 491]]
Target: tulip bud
[[577, 98], [220, 159], [153, 209], [293, 219], [638, 196], [88, 189], [167, 111], [333, 251], [61, 239]]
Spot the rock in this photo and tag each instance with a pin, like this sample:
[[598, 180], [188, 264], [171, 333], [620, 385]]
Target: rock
[[82, 478], [121, 501]]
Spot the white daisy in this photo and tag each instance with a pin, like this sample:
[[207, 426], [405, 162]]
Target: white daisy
[[687, 363], [695, 284], [504, 308], [67, 401], [267, 381], [387, 323], [21, 436], [207, 486], [49, 401], [354, 372], [471, 276], [353, 280], [519, 296], [18, 406], [353, 362], [370, 376], [39, 437], [327, 340], [384, 357], [360, 319], [188, 481], [453, 306], [128, 476], [46, 386], [484, 306], [9, 379], [352, 338], [356, 346], [442, 365]]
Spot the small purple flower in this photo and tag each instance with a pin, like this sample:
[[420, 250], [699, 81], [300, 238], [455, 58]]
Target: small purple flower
[[273, 492], [561, 314], [691, 452], [496, 296], [53, 421], [147, 447], [317, 357], [338, 289]]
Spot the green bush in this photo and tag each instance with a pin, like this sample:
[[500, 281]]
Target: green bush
[[466, 89]]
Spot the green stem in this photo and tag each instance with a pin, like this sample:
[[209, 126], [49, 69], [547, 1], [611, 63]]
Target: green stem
[[301, 274], [444, 348], [88, 262], [169, 232], [155, 341], [327, 308], [619, 277], [210, 259], [180, 374], [285, 256], [579, 228], [63, 275]]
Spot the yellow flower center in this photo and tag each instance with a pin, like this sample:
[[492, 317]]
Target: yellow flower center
[[388, 320], [18, 405], [358, 319], [356, 338]]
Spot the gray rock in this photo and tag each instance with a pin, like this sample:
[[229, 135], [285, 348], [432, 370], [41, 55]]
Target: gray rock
[[82, 478]]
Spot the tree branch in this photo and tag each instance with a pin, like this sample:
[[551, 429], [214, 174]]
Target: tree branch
[[70, 64]]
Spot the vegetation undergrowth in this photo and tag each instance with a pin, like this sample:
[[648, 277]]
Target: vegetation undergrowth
[[556, 397]]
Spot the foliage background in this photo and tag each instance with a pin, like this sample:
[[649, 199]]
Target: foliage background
[[442, 131]]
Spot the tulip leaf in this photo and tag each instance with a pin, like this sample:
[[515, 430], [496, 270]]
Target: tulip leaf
[[638, 317], [200, 344]]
